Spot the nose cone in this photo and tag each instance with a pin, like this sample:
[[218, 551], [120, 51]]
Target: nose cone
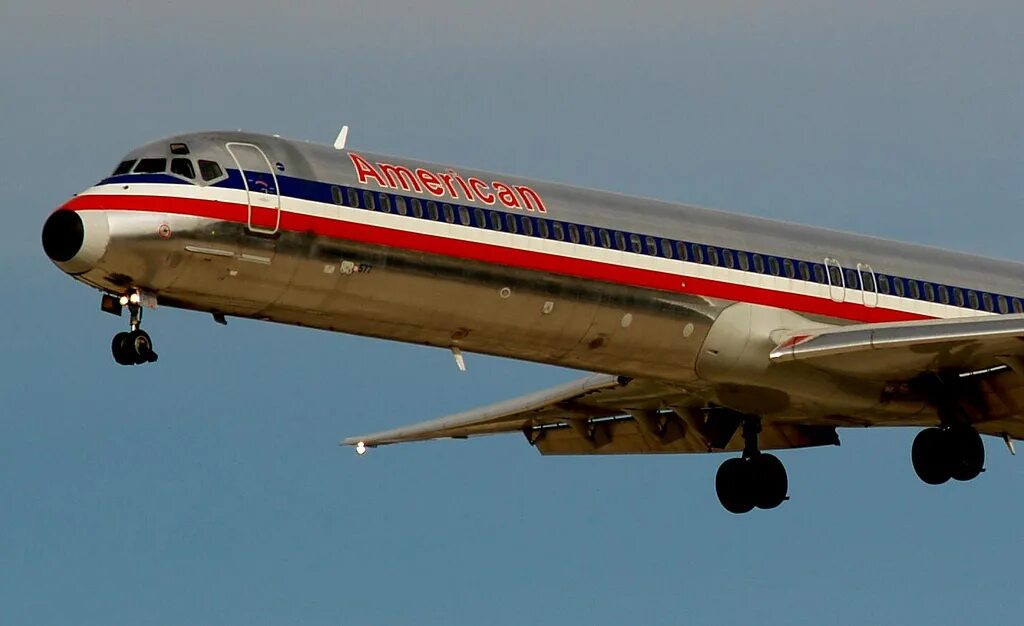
[[76, 240]]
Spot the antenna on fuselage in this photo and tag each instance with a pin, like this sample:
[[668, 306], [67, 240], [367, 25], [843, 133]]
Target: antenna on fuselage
[[339, 143]]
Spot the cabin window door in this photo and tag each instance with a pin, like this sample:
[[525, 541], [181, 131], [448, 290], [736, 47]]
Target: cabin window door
[[261, 187]]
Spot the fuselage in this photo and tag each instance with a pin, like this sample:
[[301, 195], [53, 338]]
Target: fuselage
[[247, 225]]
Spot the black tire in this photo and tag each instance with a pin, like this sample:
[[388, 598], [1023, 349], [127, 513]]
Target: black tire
[[734, 486], [967, 453], [140, 347], [119, 349], [931, 456], [770, 480]]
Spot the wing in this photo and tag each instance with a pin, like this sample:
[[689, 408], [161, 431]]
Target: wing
[[979, 361], [603, 414]]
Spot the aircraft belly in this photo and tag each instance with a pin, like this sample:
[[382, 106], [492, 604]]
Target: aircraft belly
[[332, 284]]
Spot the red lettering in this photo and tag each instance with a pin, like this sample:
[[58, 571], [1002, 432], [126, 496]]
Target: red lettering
[[480, 187], [399, 176], [531, 199], [465, 188], [430, 182], [505, 195], [446, 178], [365, 171]]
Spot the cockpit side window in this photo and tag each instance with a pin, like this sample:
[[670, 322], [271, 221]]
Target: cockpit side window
[[123, 167], [183, 167], [209, 170], [151, 166]]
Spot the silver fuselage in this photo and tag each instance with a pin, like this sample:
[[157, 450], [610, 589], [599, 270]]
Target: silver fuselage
[[296, 233]]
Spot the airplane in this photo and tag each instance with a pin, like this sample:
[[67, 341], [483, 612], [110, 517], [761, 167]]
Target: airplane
[[705, 331]]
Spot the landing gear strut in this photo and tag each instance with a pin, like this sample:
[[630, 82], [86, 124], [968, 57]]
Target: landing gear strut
[[133, 347], [955, 452], [754, 479]]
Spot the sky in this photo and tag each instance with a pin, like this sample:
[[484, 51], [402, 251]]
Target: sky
[[209, 488]]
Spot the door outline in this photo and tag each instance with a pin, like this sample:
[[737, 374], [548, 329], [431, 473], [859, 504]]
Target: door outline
[[870, 297], [836, 292], [263, 230]]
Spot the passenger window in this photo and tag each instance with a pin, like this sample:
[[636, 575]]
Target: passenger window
[[790, 269], [958, 296], [681, 251], [335, 194], [652, 246], [897, 284], [929, 292], [773, 265], [556, 227], [417, 207], [527, 226], [819, 274], [943, 294], [697, 253], [972, 299], [353, 198], [574, 233], [479, 218], [210, 170], [606, 240], [867, 280], [666, 248], [183, 168], [542, 227], [713, 255], [400, 205], [151, 166], [852, 279], [744, 261], [986, 299], [432, 210], [620, 240], [805, 271], [1004, 306], [1018, 307], [370, 200], [588, 236], [883, 285], [634, 244], [511, 223], [835, 276], [495, 220], [759, 264], [449, 213], [915, 289], [730, 262], [385, 203], [123, 167]]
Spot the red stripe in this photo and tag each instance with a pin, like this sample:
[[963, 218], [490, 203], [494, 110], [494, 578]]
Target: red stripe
[[488, 253]]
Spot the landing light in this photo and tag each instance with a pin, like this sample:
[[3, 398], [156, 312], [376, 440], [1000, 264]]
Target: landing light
[[123, 300], [360, 448]]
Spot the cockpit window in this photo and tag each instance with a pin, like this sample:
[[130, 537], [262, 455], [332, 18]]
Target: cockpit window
[[179, 148], [124, 167], [183, 167], [151, 166], [209, 170]]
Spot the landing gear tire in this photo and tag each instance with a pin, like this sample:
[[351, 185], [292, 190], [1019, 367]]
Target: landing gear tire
[[939, 454], [770, 480], [134, 348], [734, 486]]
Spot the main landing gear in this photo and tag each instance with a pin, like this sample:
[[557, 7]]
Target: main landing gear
[[955, 452], [133, 347], [753, 480]]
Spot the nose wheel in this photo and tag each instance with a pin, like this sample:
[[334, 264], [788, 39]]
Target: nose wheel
[[134, 347]]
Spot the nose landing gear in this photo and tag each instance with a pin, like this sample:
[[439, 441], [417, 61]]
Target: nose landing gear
[[134, 347]]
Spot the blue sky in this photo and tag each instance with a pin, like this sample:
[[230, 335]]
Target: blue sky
[[209, 488]]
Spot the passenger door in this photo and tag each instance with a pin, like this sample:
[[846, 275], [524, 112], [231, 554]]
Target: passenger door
[[262, 191]]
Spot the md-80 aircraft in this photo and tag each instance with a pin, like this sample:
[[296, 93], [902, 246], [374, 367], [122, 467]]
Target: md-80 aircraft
[[706, 331]]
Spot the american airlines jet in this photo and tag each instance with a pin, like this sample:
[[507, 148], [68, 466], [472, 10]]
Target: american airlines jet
[[705, 331]]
